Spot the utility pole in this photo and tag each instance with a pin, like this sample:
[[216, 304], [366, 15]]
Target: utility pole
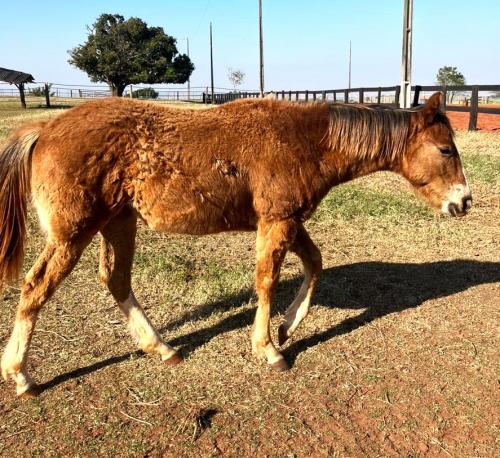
[[211, 65], [261, 48], [405, 98], [189, 78], [350, 58]]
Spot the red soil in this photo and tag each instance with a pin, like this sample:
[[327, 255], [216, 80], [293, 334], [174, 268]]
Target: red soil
[[485, 122]]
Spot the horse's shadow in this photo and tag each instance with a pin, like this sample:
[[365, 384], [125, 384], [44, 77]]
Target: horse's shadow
[[376, 288]]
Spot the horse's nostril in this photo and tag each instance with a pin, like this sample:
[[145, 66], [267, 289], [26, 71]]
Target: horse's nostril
[[466, 203], [453, 209]]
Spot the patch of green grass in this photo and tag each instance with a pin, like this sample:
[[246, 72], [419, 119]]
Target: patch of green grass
[[175, 267], [224, 281], [482, 168], [348, 202], [193, 279]]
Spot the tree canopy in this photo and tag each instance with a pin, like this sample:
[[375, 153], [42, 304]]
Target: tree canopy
[[121, 52], [450, 76], [236, 77]]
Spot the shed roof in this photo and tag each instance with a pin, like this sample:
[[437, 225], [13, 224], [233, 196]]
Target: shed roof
[[13, 76]]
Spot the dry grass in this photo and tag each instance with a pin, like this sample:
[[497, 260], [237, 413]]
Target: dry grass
[[398, 358]]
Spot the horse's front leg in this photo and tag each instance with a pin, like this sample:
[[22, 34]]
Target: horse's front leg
[[273, 241], [310, 256]]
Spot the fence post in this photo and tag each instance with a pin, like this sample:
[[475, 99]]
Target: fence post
[[20, 86], [443, 105], [396, 97], [379, 95], [346, 95], [361, 96], [474, 99], [307, 95], [47, 95], [334, 96], [323, 95], [416, 96], [314, 95]]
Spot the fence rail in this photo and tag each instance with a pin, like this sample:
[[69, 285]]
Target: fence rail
[[61, 94], [360, 95], [48, 95]]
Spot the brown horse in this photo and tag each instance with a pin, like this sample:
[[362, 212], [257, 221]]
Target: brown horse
[[257, 165]]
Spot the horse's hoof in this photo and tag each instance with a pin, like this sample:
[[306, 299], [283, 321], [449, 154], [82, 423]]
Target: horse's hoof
[[282, 334], [32, 392], [173, 360], [280, 366]]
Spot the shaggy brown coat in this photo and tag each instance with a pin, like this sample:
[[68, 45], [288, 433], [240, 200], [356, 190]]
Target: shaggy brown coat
[[249, 165]]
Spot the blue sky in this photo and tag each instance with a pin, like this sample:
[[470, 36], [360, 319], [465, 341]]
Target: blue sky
[[306, 42]]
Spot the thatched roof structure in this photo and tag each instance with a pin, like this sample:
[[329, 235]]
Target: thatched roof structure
[[15, 77]]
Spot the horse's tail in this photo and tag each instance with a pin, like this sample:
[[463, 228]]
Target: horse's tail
[[15, 171]]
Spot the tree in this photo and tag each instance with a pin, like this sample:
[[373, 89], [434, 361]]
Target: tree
[[40, 91], [121, 52], [236, 77], [450, 76]]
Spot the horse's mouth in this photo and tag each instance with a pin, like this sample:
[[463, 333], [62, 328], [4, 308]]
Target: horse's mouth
[[455, 211]]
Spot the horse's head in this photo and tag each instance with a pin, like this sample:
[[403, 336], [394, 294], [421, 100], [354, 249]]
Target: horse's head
[[432, 164]]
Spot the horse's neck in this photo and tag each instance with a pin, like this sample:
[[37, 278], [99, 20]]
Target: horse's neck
[[341, 167]]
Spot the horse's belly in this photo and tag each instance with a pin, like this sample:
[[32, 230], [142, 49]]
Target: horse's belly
[[189, 210], [198, 220]]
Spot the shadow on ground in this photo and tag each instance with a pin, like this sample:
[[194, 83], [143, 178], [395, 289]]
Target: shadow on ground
[[376, 288]]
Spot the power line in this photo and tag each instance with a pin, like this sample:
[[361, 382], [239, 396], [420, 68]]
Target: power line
[[202, 17]]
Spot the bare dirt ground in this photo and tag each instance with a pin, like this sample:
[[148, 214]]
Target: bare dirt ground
[[485, 122], [399, 356]]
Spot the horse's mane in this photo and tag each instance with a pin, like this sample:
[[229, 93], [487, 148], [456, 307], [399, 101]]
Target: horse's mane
[[369, 132]]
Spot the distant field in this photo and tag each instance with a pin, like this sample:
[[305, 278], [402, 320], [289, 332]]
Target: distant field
[[399, 356]]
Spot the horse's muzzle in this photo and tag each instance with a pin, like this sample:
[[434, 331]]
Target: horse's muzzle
[[455, 209]]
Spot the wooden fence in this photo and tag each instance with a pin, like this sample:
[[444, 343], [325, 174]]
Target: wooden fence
[[69, 95], [359, 95]]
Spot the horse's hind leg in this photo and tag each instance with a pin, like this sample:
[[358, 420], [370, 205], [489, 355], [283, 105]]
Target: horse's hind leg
[[310, 256], [117, 252], [52, 266]]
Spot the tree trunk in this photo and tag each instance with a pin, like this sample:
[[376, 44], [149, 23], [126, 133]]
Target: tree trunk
[[117, 90], [20, 86]]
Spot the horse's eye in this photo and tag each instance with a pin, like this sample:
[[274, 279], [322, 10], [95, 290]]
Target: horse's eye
[[446, 151]]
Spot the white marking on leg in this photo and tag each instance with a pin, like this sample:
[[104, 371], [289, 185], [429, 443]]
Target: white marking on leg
[[142, 330], [13, 359], [261, 340], [299, 308], [265, 350]]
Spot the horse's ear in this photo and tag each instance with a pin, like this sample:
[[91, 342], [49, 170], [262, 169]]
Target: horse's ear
[[432, 107]]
